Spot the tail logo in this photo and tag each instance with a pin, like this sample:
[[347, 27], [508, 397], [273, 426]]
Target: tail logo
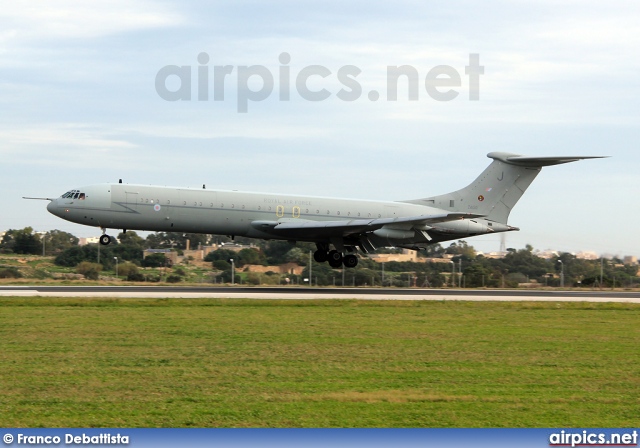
[[480, 198]]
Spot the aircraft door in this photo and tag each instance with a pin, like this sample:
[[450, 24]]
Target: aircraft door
[[132, 199]]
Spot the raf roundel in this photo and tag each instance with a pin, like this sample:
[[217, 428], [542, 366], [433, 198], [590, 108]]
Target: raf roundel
[[156, 207], [480, 198]]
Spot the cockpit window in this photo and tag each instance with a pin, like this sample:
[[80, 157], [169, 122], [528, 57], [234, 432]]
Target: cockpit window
[[73, 194]]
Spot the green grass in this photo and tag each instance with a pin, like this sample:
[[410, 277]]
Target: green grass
[[249, 363]]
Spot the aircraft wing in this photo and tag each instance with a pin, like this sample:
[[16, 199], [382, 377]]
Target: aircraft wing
[[296, 227]]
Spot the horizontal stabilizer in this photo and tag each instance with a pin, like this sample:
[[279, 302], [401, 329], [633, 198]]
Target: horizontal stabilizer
[[515, 159]]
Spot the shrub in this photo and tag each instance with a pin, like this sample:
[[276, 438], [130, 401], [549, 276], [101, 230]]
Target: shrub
[[174, 279], [221, 265], [10, 273], [253, 278], [127, 269], [90, 270], [135, 277]]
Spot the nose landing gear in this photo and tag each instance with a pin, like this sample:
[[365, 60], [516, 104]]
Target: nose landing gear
[[104, 238]]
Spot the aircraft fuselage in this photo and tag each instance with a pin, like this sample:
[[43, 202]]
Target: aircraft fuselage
[[167, 209]]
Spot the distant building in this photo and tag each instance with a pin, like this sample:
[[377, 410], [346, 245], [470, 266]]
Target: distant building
[[287, 268], [587, 255], [406, 255], [493, 254], [232, 246], [546, 254], [630, 260], [90, 240]]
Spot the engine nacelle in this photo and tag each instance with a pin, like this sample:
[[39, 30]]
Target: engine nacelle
[[396, 234], [462, 227]]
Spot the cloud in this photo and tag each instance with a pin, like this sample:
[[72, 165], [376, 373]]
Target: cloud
[[64, 19]]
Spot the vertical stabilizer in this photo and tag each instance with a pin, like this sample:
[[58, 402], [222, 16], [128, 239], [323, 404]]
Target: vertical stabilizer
[[497, 190]]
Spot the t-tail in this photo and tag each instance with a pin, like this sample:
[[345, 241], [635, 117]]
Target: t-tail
[[497, 190]]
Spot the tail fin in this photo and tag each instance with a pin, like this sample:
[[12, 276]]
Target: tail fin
[[495, 192]]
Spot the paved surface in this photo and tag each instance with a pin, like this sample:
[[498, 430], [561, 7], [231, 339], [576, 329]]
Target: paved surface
[[319, 293]]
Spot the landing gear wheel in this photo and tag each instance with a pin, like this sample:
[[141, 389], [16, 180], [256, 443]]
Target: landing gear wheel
[[105, 240], [320, 256], [350, 261], [335, 259]]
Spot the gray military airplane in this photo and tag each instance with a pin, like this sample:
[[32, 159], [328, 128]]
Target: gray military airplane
[[338, 227]]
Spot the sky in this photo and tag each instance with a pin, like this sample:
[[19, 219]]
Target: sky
[[80, 104]]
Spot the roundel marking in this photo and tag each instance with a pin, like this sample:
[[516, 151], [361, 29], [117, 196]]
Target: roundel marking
[[480, 198], [157, 207]]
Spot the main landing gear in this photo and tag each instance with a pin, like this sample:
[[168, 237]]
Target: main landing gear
[[335, 258]]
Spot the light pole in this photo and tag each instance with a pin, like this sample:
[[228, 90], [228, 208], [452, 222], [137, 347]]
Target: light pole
[[233, 271], [382, 282], [460, 272], [116, 258], [561, 273], [310, 268], [453, 267]]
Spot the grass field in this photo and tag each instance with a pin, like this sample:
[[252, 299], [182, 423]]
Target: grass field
[[250, 363]]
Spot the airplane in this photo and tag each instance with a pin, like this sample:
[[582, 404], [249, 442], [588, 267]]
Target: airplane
[[339, 227]]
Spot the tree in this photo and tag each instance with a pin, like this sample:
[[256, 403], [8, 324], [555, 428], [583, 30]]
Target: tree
[[298, 256], [71, 257], [155, 261], [463, 249], [131, 238], [57, 241], [22, 241], [251, 256], [221, 265], [223, 255], [478, 274], [276, 251], [166, 240]]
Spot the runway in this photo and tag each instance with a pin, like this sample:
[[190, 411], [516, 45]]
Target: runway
[[240, 292]]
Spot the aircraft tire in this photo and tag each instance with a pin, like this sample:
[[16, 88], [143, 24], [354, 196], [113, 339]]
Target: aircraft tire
[[335, 255], [320, 256], [350, 261], [105, 240]]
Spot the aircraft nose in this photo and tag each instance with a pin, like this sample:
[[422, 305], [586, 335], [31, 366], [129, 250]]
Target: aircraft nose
[[52, 207]]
